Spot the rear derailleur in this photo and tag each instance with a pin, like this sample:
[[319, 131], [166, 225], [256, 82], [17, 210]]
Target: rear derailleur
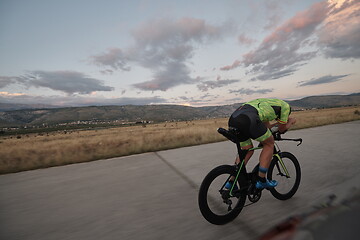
[[225, 195]]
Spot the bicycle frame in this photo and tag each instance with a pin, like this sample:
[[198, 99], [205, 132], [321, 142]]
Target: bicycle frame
[[242, 167]]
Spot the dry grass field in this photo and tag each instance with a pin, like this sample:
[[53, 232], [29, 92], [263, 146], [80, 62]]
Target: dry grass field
[[35, 151]]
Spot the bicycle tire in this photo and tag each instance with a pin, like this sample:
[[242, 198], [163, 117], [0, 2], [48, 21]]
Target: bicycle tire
[[292, 164], [204, 196]]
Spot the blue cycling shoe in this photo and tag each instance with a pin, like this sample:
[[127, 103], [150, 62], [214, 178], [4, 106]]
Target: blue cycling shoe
[[228, 186], [267, 184]]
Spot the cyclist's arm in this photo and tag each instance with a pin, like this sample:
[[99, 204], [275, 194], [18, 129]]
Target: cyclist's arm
[[284, 127], [285, 122], [284, 113]]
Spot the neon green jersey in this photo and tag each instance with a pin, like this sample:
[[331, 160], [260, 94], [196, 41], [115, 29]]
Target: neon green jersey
[[271, 109]]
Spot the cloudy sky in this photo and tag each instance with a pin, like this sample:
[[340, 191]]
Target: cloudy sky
[[189, 52]]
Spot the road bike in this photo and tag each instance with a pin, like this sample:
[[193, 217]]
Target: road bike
[[219, 205]]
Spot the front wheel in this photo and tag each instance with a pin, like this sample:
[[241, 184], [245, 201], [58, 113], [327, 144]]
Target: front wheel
[[286, 171], [215, 202]]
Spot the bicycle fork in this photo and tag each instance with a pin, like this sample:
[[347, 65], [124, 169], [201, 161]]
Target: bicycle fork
[[280, 163]]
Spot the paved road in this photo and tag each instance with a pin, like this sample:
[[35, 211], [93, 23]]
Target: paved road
[[154, 195]]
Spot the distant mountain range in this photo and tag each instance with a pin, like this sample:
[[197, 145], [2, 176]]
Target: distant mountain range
[[40, 114], [327, 101], [14, 106]]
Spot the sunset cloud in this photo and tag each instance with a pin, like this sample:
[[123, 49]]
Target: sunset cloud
[[340, 35], [235, 64], [332, 25], [243, 39], [206, 85], [113, 58], [164, 46], [69, 82], [173, 74], [281, 50], [322, 80], [247, 91], [6, 81], [199, 100]]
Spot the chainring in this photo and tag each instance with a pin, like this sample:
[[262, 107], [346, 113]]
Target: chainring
[[254, 194]]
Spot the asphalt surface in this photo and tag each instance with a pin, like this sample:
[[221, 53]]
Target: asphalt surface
[[154, 195]]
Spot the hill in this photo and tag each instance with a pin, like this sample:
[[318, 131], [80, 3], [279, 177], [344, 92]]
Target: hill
[[95, 114], [155, 113], [14, 106], [327, 101]]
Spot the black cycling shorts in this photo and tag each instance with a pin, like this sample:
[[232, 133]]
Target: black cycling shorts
[[248, 125]]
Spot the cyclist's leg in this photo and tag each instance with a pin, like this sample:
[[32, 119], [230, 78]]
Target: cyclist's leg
[[266, 154], [265, 160]]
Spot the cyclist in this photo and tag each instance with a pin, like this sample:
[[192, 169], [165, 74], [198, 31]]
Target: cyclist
[[252, 121]]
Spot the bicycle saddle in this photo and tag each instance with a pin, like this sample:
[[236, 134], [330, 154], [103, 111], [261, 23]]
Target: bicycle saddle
[[229, 134]]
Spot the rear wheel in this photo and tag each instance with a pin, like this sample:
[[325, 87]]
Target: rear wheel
[[215, 203], [288, 176]]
